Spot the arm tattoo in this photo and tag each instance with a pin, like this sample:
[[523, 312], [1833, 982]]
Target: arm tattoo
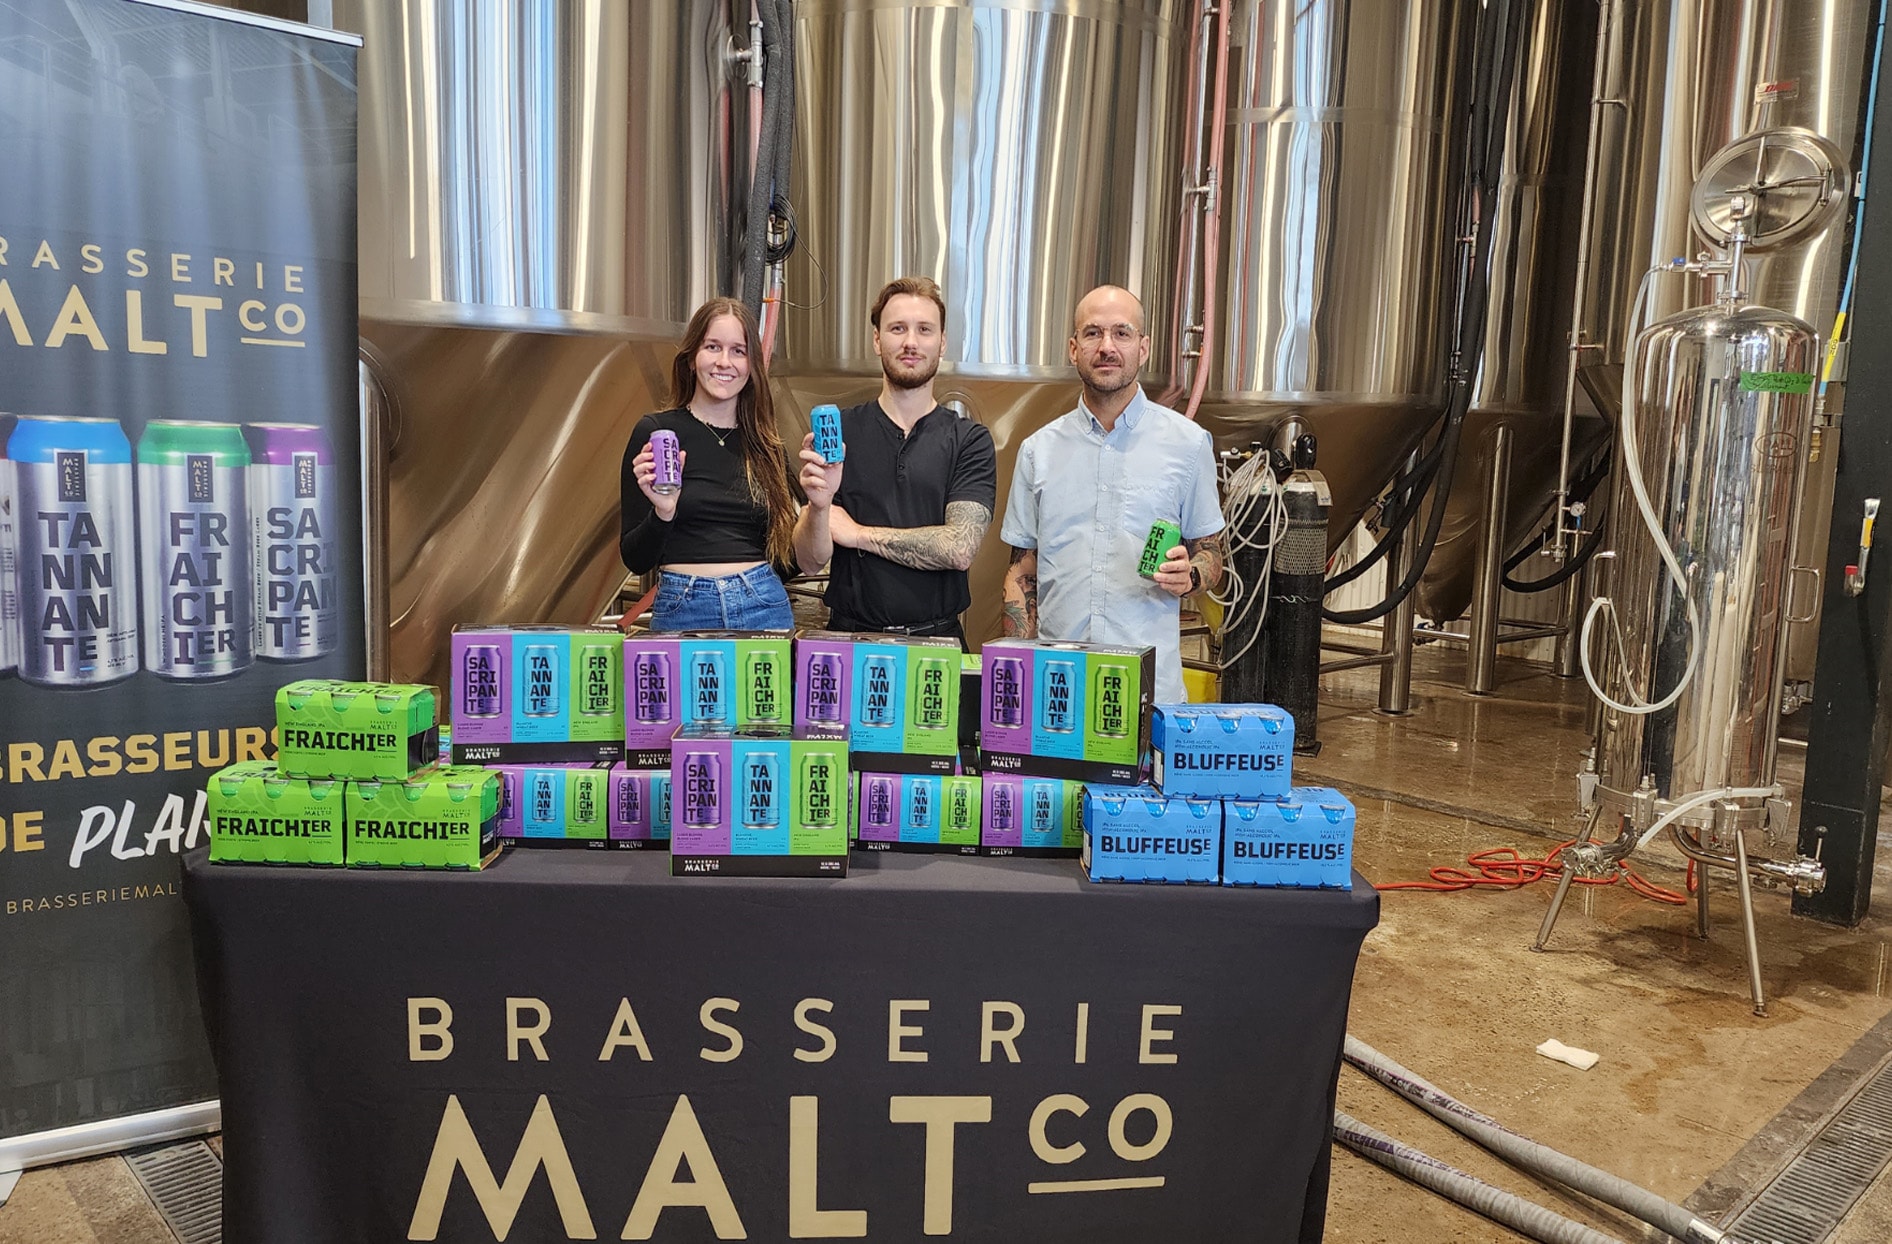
[[1208, 555], [1019, 616], [949, 546]]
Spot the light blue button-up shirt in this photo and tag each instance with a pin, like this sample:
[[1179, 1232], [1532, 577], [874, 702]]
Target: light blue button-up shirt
[[1086, 499]]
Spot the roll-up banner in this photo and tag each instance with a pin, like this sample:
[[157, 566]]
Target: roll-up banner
[[180, 505]]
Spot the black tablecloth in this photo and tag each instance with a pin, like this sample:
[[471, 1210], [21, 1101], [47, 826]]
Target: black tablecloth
[[335, 1111]]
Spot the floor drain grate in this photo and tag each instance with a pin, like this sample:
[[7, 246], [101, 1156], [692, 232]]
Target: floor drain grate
[[185, 1182], [1808, 1200]]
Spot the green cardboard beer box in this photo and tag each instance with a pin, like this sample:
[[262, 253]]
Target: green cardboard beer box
[[259, 816], [443, 817], [373, 731]]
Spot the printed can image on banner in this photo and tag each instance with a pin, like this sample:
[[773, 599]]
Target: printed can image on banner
[[180, 500]]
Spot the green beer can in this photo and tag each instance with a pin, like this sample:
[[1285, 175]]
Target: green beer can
[[1164, 536]]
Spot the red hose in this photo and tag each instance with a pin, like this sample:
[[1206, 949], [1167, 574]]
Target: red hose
[[1507, 868]]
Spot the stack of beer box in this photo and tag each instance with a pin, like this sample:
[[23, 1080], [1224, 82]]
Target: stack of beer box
[[542, 707], [1221, 806], [1054, 717], [356, 780], [894, 701], [709, 724]]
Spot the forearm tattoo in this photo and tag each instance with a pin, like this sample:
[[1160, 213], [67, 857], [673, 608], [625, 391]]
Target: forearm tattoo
[[1208, 555], [949, 546], [1019, 616]]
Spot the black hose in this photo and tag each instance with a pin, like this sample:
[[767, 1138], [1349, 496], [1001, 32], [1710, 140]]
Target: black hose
[[762, 175], [1564, 573], [1487, 149]]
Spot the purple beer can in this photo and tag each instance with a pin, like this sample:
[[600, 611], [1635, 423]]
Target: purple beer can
[[666, 463], [293, 545], [824, 688], [702, 790], [877, 803], [650, 680], [479, 680], [1007, 696], [1002, 817]]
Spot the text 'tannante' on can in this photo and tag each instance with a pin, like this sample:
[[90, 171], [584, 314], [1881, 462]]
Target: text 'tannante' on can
[[480, 671], [1110, 716], [762, 686], [660, 805], [666, 463], [9, 578], [877, 690], [544, 680], [821, 688], [825, 421], [542, 795], [708, 689], [761, 791], [650, 687], [702, 790], [1057, 713], [877, 799], [76, 551], [1007, 696], [919, 805], [1164, 536], [817, 783], [194, 536], [1043, 810], [293, 541], [932, 673]]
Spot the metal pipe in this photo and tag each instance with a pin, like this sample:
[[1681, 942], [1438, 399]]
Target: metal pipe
[[1607, 20], [1565, 661], [1396, 635], [1352, 663], [1746, 884], [1185, 291], [375, 420], [1481, 662]]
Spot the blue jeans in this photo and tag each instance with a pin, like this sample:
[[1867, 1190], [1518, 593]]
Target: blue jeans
[[754, 600]]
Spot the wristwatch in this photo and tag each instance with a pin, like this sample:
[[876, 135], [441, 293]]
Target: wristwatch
[[1195, 578]]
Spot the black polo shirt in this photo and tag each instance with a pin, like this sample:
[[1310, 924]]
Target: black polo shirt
[[895, 480]]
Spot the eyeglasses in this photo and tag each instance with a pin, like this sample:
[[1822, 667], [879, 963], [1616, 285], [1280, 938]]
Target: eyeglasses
[[1120, 334]]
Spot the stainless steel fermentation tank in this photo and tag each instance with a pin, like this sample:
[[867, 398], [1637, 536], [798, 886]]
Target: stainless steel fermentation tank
[[543, 201], [1679, 80], [1686, 646]]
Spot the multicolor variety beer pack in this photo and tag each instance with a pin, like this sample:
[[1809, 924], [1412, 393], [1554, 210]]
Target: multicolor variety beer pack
[[1066, 710], [212, 545], [724, 680], [919, 812], [757, 802], [1031, 816], [537, 695], [894, 698]]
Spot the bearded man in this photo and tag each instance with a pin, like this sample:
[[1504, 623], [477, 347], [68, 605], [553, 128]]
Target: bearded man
[[898, 521]]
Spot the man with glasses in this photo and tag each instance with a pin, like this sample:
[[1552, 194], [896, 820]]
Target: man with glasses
[[1086, 491]]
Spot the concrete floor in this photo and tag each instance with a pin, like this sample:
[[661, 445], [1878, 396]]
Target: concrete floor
[[1694, 1095]]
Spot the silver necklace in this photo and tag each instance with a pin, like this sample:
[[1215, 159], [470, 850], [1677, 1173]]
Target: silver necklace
[[721, 434]]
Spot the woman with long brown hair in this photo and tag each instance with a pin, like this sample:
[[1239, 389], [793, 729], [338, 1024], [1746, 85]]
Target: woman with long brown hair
[[719, 537]]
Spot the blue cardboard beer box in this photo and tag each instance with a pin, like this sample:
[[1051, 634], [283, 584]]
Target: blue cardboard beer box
[[1304, 841], [1222, 751], [1137, 833]]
